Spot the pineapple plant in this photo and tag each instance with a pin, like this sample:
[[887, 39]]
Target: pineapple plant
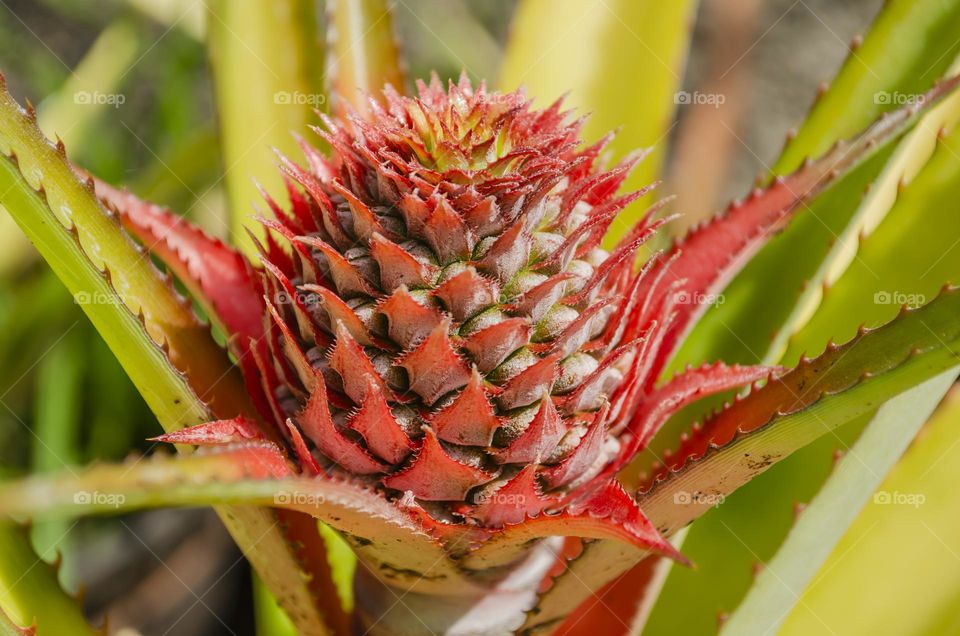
[[435, 347]]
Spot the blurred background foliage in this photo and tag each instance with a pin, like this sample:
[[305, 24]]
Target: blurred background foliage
[[64, 398]]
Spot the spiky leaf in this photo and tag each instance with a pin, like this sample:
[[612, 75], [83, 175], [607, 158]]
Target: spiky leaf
[[908, 46], [754, 433], [109, 277], [103, 268], [30, 592], [823, 521]]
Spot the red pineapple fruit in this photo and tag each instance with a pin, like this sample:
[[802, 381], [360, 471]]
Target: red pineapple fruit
[[441, 322], [448, 324]]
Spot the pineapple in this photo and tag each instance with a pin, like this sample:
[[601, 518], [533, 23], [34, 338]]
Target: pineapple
[[435, 324], [434, 351], [441, 322]]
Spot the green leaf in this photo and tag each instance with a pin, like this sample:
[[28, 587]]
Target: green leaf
[[906, 162], [777, 292], [900, 553], [29, 590], [904, 261], [80, 243], [621, 61], [907, 49], [82, 99], [910, 44], [906, 258], [266, 70], [744, 440], [9, 628], [56, 440], [238, 476], [363, 50], [823, 522]]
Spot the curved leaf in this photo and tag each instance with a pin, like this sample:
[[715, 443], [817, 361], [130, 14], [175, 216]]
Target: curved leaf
[[30, 593], [251, 474], [713, 253], [910, 44], [783, 579], [760, 311], [754, 433], [111, 279], [619, 60], [916, 501], [910, 157], [905, 260], [104, 270], [817, 396], [363, 52]]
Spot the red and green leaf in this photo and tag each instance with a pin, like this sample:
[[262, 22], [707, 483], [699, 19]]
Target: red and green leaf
[[766, 426]]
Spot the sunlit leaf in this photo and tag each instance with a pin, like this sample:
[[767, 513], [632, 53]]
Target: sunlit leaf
[[910, 44], [271, 46], [760, 309], [782, 581], [186, 380], [900, 552], [243, 475], [109, 277], [363, 51], [621, 61]]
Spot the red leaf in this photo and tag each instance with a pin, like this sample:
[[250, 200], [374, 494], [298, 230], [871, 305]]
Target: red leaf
[[219, 277]]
